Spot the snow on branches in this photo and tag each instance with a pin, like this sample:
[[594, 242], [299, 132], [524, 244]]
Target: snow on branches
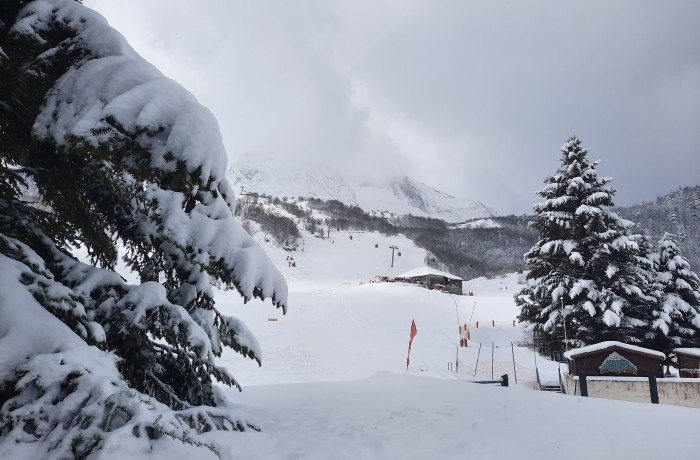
[[586, 264], [678, 290], [116, 154]]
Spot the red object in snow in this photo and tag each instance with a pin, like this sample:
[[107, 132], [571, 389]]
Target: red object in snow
[[414, 331]]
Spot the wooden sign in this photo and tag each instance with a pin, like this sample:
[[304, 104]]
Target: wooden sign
[[617, 364]]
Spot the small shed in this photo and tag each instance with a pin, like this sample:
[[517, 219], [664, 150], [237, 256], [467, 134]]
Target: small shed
[[688, 361], [432, 279], [615, 359]]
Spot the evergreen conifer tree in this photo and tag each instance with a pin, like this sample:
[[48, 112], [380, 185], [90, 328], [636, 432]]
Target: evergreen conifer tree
[[677, 317], [116, 154], [586, 266]]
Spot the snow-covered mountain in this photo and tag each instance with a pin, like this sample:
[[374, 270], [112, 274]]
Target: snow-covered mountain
[[403, 195], [399, 195], [268, 178]]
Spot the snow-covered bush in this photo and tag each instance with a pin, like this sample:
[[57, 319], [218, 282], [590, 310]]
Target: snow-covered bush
[[117, 153]]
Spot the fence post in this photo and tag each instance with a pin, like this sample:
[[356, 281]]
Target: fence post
[[504, 380], [584, 385], [653, 389], [561, 383]]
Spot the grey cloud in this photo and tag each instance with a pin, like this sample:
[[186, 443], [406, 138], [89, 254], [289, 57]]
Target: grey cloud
[[474, 98]]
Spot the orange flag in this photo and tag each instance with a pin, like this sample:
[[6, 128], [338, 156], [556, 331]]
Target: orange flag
[[414, 331]]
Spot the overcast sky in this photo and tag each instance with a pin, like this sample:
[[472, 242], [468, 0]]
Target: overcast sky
[[474, 98]]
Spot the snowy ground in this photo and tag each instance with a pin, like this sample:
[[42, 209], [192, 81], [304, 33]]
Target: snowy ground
[[334, 381], [393, 416], [343, 326]]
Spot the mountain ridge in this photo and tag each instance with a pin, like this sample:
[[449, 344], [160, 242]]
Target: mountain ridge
[[397, 195]]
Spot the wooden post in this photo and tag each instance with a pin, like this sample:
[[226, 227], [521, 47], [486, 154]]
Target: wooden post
[[653, 389], [584, 385]]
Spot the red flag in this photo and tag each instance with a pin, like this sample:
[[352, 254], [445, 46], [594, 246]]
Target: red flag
[[414, 331]]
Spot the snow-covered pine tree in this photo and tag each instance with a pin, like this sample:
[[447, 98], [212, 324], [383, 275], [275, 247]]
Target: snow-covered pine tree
[[677, 318], [117, 154], [585, 265]]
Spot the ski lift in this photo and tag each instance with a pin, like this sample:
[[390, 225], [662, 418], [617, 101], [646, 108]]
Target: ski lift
[[399, 254]]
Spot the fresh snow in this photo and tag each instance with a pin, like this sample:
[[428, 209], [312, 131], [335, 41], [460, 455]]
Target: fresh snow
[[334, 382], [392, 416], [688, 351], [603, 345], [423, 271]]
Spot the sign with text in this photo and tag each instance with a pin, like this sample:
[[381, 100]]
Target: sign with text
[[617, 364]]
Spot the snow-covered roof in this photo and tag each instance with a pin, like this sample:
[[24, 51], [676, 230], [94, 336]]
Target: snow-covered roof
[[423, 271], [604, 345], [688, 351]]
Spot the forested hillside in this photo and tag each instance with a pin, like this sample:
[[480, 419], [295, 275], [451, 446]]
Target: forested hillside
[[677, 212], [465, 250], [479, 248]]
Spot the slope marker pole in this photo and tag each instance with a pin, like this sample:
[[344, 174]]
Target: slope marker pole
[[472, 315], [515, 373], [477, 359]]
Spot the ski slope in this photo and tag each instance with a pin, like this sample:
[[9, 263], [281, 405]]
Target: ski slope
[[342, 325], [334, 382]]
